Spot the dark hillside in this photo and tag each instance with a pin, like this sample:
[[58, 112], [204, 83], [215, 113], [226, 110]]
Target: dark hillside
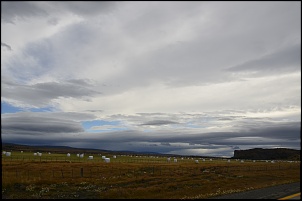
[[53, 149], [268, 154]]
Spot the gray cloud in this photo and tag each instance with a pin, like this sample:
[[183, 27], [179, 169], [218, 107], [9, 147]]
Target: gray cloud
[[41, 94], [53, 21], [13, 10], [285, 59], [85, 8], [66, 127], [94, 110], [6, 46], [158, 123], [172, 64], [33, 124], [165, 143]]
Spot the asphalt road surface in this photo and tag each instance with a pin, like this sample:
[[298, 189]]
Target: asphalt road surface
[[296, 196], [274, 192]]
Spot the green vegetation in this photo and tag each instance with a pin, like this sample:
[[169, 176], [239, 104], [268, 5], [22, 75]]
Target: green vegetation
[[56, 176]]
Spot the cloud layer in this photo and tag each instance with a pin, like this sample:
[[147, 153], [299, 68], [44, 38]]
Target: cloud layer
[[174, 77]]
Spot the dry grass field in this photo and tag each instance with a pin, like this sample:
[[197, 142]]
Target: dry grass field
[[61, 177]]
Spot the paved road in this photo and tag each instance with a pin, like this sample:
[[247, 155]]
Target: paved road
[[275, 192], [296, 196]]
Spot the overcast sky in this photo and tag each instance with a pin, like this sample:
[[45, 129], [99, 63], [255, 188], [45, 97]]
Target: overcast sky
[[183, 77]]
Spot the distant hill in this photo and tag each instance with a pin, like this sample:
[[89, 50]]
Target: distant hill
[[46, 148], [268, 154], [67, 149], [72, 150]]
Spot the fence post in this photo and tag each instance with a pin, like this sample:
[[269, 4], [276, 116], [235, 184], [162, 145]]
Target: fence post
[[62, 173]]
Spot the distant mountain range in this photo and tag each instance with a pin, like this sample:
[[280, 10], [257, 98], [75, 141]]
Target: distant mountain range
[[251, 154], [63, 149], [72, 150], [268, 154]]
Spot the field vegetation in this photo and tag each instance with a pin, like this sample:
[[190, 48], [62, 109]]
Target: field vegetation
[[56, 176]]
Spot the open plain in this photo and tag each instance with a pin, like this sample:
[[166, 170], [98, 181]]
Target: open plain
[[57, 176]]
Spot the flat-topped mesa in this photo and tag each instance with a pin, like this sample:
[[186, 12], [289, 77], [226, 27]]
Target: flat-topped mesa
[[268, 154]]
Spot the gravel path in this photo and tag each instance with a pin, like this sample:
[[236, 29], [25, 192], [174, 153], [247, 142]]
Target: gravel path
[[274, 192]]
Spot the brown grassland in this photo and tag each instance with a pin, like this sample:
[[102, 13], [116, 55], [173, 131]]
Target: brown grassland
[[137, 178]]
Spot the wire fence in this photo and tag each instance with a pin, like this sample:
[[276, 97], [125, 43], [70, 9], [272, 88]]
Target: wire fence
[[119, 159], [95, 159], [118, 172]]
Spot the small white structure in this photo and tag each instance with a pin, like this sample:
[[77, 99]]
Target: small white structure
[[272, 161], [196, 161], [114, 156], [81, 155], [229, 161], [35, 154], [254, 161], [210, 159], [21, 152], [203, 159], [182, 158], [242, 161], [175, 160], [78, 155], [103, 157], [48, 152], [168, 159], [4, 152], [8, 153], [90, 157], [107, 160], [39, 154], [68, 155]]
